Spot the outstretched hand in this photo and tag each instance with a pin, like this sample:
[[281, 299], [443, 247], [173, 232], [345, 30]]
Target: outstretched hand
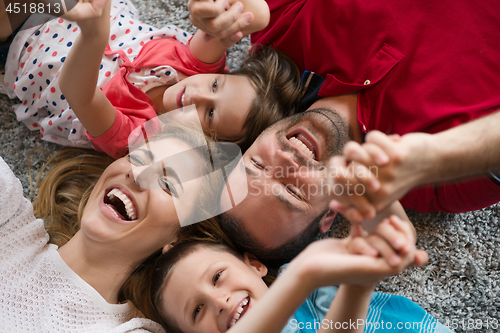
[[220, 20], [383, 170], [361, 259], [86, 10]]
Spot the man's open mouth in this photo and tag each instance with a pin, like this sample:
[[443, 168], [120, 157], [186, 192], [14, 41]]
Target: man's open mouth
[[304, 144], [120, 204]]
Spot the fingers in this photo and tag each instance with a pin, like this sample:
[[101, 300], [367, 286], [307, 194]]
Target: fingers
[[421, 258], [349, 184], [367, 154], [384, 249], [397, 238], [354, 173], [406, 228], [207, 9], [357, 231], [232, 33], [394, 137], [380, 139], [394, 241], [360, 246], [219, 20]]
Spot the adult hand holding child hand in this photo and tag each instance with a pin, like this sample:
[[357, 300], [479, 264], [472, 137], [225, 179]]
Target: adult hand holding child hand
[[376, 173], [360, 259]]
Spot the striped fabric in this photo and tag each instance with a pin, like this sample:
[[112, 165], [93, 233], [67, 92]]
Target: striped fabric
[[387, 313]]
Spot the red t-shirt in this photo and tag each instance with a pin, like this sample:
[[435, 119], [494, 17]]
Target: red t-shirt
[[133, 107], [418, 67]]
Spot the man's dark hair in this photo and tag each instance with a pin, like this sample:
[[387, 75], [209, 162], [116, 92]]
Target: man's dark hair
[[272, 258]]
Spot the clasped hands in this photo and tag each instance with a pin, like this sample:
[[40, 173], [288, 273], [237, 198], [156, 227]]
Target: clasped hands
[[360, 259], [369, 177]]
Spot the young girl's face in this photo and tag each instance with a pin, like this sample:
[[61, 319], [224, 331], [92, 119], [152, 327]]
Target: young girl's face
[[222, 101], [209, 290]]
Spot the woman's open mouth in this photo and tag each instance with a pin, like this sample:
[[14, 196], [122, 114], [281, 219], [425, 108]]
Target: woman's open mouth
[[120, 204]]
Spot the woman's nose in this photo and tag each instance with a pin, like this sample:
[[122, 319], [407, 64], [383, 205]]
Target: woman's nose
[[133, 174], [145, 176]]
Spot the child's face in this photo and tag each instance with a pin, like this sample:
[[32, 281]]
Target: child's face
[[222, 101], [209, 290]]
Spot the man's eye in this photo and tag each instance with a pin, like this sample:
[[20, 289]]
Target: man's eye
[[135, 160], [217, 276], [214, 86], [293, 191], [196, 311], [166, 186], [256, 163]]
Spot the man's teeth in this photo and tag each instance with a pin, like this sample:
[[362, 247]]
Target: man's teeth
[[129, 207], [302, 147], [238, 312]]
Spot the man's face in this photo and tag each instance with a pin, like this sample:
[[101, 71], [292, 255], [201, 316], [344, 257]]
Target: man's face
[[286, 178]]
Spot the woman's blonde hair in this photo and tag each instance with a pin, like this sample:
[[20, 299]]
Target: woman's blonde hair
[[63, 191], [67, 181]]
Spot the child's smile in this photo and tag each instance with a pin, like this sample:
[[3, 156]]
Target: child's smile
[[210, 290]]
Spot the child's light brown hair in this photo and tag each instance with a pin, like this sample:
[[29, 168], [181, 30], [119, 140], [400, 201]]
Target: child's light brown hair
[[276, 80], [165, 265]]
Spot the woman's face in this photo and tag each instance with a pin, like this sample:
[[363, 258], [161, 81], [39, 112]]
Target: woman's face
[[121, 213]]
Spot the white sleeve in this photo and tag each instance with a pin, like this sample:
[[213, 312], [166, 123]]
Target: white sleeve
[[139, 325], [11, 193], [20, 232]]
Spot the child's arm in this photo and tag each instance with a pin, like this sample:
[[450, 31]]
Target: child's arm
[[351, 302], [349, 309], [80, 72], [330, 262], [207, 49]]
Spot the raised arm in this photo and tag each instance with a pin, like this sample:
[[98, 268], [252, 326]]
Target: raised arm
[[359, 261], [80, 72], [417, 159], [351, 302], [222, 23]]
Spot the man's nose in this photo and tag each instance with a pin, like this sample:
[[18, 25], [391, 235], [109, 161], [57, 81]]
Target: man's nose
[[285, 163]]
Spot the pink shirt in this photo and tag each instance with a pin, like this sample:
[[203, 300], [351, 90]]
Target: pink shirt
[[133, 106]]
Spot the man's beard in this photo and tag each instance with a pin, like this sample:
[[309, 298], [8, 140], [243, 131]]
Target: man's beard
[[327, 123]]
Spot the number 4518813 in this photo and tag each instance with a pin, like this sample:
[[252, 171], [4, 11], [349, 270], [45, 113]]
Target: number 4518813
[[33, 8], [472, 324]]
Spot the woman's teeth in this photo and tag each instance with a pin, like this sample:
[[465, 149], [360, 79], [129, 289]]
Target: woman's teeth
[[302, 147], [182, 98], [127, 203]]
